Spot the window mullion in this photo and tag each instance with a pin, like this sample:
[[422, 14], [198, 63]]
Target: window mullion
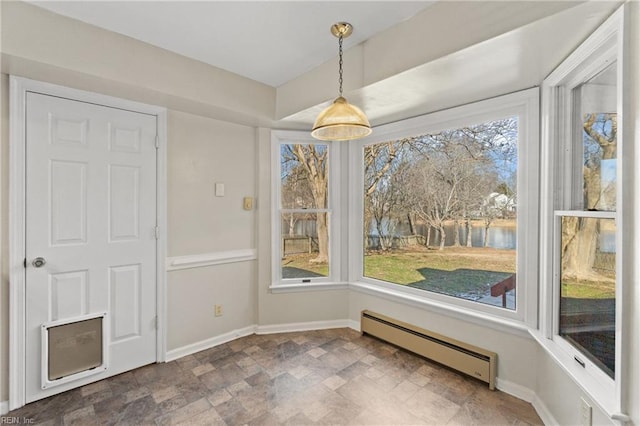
[[305, 211]]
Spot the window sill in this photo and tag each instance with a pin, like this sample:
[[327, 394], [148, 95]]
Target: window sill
[[500, 324], [303, 287], [604, 395]]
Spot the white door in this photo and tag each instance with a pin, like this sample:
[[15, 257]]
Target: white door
[[91, 215]]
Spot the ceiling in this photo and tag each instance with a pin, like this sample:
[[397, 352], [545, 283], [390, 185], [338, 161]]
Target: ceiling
[[513, 61], [271, 42], [412, 63]]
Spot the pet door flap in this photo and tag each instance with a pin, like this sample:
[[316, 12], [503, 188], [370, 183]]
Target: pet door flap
[[74, 347]]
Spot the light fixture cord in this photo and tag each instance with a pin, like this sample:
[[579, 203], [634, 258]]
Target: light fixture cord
[[340, 62]]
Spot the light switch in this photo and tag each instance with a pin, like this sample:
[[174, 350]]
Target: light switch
[[219, 189], [247, 203]]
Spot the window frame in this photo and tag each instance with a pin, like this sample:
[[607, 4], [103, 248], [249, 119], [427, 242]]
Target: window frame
[[523, 104], [278, 283], [605, 45]]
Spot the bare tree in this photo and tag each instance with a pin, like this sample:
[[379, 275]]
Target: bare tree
[[446, 176], [381, 191], [434, 196], [495, 143], [472, 193], [392, 198], [579, 242], [378, 160], [382, 204], [296, 193]]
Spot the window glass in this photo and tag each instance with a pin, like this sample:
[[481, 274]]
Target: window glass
[[440, 212], [304, 214], [599, 123], [304, 176], [588, 284], [300, 246]]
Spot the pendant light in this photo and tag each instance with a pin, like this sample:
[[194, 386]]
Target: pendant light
[[341, 121]]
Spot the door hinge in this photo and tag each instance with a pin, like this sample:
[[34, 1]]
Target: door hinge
[[157, 232], [155, 322], [25, 262], [157, 141]]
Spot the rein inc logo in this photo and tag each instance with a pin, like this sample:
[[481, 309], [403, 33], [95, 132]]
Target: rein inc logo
[[15, 420]]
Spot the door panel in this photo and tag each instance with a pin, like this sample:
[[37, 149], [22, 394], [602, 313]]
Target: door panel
[[68, 293], [91, 214], [69, 131], [124, 213], [124, 139], [68, 202], [125, 302]]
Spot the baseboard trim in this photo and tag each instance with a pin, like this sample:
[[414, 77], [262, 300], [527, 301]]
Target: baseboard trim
[[354, 325], [544, 413], [515, 389], [530, 396], [258, 329], [209, 343], [302, 326], [4, 407]]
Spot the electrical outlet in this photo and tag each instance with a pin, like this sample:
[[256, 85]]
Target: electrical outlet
[[585, 413], [218, 310]]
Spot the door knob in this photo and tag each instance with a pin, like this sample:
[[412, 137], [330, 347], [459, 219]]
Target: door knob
[[39, 262]]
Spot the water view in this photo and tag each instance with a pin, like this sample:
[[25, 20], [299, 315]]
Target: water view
[[500, 236]]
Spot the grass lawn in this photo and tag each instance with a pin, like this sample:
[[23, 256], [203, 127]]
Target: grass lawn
[[465, 272], [604, 289], [405, 266], [300, 266], [458, 271]]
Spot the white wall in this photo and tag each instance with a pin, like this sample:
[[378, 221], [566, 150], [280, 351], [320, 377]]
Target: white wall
[[202, 152], [194, 292], [561, 396], [274, 309]]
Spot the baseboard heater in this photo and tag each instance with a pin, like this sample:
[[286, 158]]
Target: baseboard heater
[[468, 359]]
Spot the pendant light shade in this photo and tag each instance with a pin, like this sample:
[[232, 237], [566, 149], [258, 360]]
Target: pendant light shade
[[341, 121]]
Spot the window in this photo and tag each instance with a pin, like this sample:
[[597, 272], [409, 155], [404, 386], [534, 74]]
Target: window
[[303, 234], [440, 211], [587, 228], [583, 248], [448, 204]]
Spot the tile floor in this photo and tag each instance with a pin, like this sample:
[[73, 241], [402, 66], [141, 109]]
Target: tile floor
[[327, 377]]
